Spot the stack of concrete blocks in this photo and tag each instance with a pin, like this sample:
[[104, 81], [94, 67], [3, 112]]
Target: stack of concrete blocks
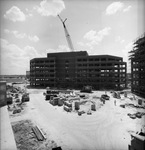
[[67, 106], [116, 95], [93, 107], [25, 97], [77, 105], [140, 101], [125, 94], [54, 101], [60, 102], [9, 100], [16, 95]]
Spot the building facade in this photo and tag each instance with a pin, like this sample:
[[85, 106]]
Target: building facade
[[137, 57], [77, 69]]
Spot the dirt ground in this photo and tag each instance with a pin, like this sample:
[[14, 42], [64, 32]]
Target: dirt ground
[[107, 128], [22, 127], [26, 139]]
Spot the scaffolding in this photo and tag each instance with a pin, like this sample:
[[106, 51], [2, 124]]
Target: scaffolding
[[137, 58]]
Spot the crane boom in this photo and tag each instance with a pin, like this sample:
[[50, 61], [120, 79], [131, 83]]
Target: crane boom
[[67, 34]]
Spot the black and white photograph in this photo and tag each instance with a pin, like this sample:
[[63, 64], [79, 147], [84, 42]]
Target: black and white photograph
[[72, 74]]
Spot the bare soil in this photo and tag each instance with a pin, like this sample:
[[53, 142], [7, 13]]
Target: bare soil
[[26, 139]]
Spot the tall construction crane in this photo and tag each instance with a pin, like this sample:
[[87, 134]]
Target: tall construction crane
[[67, 34]]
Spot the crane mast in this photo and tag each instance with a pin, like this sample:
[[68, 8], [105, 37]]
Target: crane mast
[[67, 34]]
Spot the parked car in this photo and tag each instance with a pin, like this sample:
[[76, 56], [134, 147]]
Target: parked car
[[105, 96]]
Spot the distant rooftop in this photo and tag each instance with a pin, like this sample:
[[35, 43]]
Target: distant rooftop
[[68, 54]]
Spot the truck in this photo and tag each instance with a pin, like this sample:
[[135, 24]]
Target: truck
[[87, 89]]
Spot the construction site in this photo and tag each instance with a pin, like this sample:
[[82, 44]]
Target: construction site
[[75, 101], [72, 119], [136, 57]]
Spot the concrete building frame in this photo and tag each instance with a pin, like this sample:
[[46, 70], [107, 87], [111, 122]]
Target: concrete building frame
[[137, 58], [77, 69]]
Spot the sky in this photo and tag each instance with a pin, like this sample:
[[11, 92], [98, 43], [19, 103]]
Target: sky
[[31, 29]]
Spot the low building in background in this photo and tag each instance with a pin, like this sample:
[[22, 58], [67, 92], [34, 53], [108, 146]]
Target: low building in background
[[137, 57], [78, 69], [3, 100]]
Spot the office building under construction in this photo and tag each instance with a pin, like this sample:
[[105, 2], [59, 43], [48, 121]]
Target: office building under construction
[[77, 69], [137, 57]]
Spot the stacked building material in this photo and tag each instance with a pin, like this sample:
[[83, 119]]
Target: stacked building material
[[55, 101], [25, 97], [77, 105], [93, 107], [18, 110], [60, 102], [140, 101], [39, 135], [16, 95], [48, 96], [116, 95], [67, 104], [68, 109], [9, 100]]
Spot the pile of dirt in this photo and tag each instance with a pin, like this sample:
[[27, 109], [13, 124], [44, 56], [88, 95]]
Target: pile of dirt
[[26, 139]]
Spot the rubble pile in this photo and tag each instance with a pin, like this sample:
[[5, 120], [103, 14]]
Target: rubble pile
[[28, 136], [16, 98]]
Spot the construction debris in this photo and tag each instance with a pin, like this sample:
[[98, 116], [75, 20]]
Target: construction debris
[[26, 138], [38, 133]]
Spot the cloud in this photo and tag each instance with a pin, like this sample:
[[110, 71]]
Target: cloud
[[118, 39], [15, 14], [16, 60], [127, 9], [97, 36], [93, 37], [19, 35], [16, 34], [114, 7], [61, 48], [22, 35], [29, 12], [33, 38], [50, 8]]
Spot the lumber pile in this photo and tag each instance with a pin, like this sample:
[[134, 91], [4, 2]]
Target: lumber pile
[[39, 135]]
